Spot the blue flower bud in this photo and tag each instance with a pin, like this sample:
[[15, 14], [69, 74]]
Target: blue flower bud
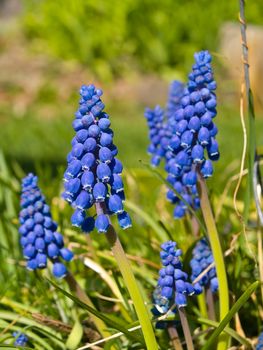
[[204, 136], [66, 254], [124, 220], [180, 300], [87, 180], [77, 124], [90, 145], [179, 212], [99, 192], [84, 200], [73, 168], [77, 150], [102, 223], [105, 155], [39, 230], [53, 250], [41, 260], [59, 270], [94, 131], [87, 120], [190, 179], [106, 139], [116, 183], [31, 264], [116, 166], [78, 218], [104, 123], [40, 244], [82, 135], [88, 224], [167, 292], [181, 127], [72, 186], [115, 204], [207, 169], [186, 139], [29, 251], [88, 161]]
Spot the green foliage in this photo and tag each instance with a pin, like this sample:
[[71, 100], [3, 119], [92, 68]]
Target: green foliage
[[113, 37]]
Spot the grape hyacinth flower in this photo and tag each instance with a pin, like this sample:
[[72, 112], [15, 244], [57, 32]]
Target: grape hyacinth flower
[[93, 174], [39, 236], [161, 123], [172, 281], [202, 258], [21, 339], [187, 141], [193, 143], [259, 345]]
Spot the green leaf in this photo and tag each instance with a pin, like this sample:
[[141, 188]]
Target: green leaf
[[75, 336], [110, 322], [238, 304], [228, 330]]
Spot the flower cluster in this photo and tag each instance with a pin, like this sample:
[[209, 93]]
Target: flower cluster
[[260, 342], [191, 136], [161, 123], [21, 339], [202, 258], [39, 237], [176, 92], [93, 172], [172, 281]]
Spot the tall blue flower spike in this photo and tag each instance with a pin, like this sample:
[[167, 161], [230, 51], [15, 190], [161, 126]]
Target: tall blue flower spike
[[259, 345], [161, 124], [39, 237], [188, 139], [93, 174], [21, 339], [202, 258], [173, 286]]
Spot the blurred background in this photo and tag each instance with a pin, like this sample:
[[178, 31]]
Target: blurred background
[[132, 49]]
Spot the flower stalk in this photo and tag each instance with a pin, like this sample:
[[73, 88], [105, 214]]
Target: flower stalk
[[130, 282], [186, 329], [218, 258]]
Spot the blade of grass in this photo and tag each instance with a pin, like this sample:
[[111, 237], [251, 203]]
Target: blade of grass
[[238, 304]]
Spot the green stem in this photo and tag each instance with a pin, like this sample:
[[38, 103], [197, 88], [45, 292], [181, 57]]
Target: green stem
[[218, 257], [76, 288], [130, 282], [202, 307], [186, 329]]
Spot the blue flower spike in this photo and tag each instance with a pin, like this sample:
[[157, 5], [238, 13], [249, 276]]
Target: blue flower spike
[[202, 258], [173, 282], [93, 174], [38, 232], [184, 136]]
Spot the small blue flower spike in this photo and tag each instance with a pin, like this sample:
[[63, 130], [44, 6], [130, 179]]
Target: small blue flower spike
[[184, 134], [202, 258], [20, 339], [173, 286], [259, 345], [93, 173], [38, 232]]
